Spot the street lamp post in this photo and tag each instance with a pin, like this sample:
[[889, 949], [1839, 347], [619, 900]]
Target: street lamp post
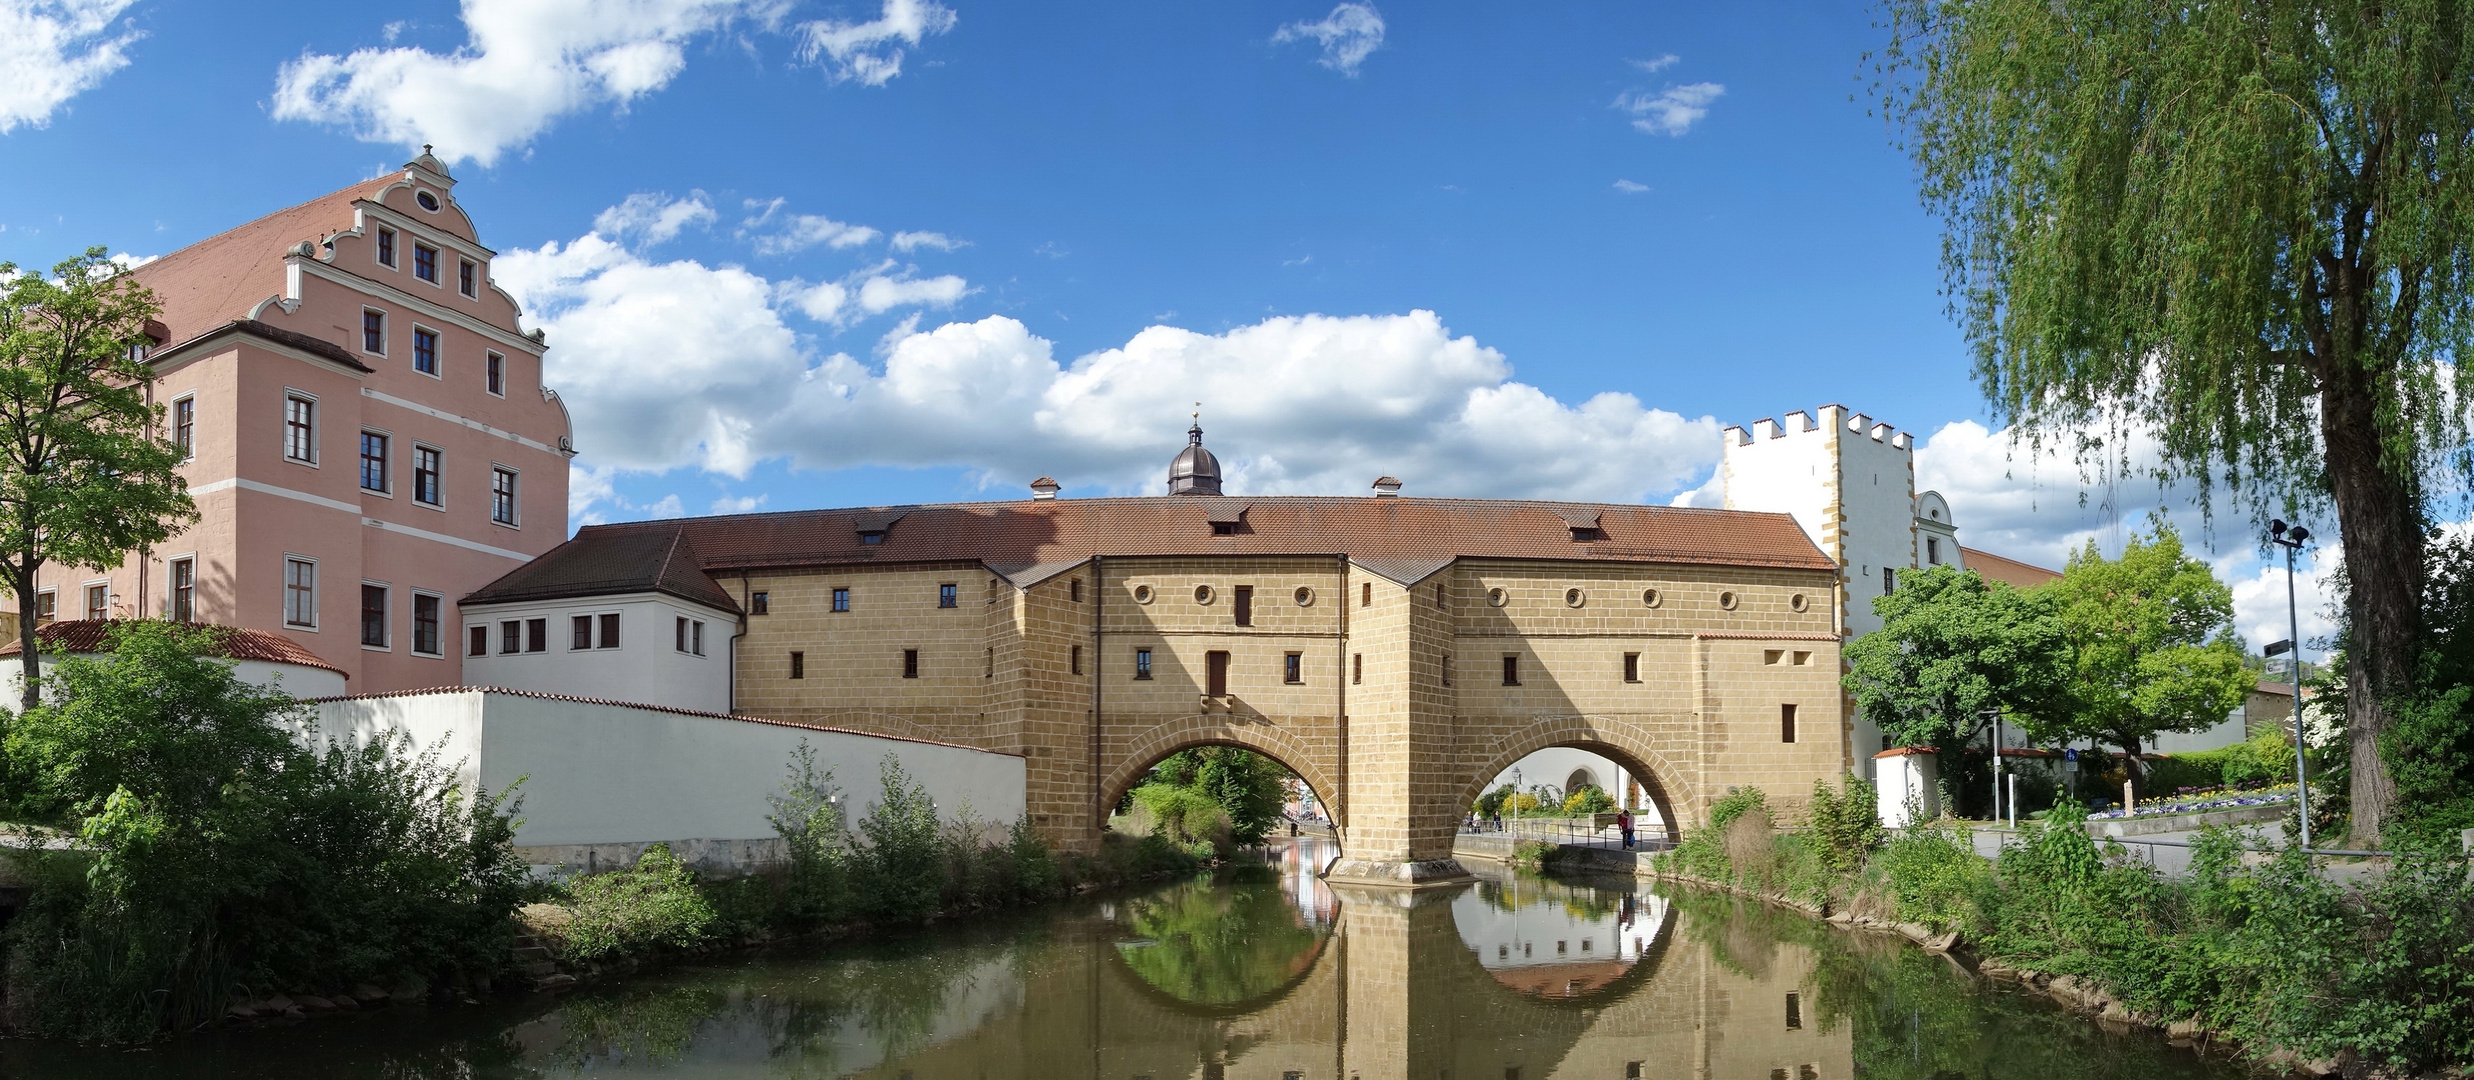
[[2291, 539]]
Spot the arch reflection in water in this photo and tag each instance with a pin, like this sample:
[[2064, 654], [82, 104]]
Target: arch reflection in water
[[1234, 942], [1556, 938]]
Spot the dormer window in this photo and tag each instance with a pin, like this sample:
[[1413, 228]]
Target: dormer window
[[1226, 516], [1224, 528], [871, 539], [1588, 535]]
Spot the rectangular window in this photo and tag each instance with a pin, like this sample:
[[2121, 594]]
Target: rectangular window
[[468, 278], [910, 663], [946, 596], [1632, 667], [1439, 602], [425, 351], [760, 603], [1447, 669], [1932, 551], [373, 462], [425, 464], [841, 599], [1889, 581], [494, 375], [502, 496], [1795, 1011], [798, 665], [373, 332], [45, 607], [1786, 723], [185, 427], [386, 247], [695, 637], [1357, 667], [184, 590], [425, 633], [300, 429], [583, 633], [98, 602], [510, 636], [425, 262], [1511, 671], [300, 593], [1074, 662], [680, 633], [1073, 590], [373, 615], [1142, 663], [990, 671], [1293, 668], [1215, 674], [536, 635], [610, 631], [1244, 607], [1365, 595], [480, 642]]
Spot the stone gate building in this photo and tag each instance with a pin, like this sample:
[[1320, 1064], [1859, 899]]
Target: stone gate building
[[1396, 653]]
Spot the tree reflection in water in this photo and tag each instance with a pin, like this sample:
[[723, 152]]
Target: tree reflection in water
[[1219, 943]]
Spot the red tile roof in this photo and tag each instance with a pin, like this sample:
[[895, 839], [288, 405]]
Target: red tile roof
[[2011, 572], [230, 642], [208, 284]]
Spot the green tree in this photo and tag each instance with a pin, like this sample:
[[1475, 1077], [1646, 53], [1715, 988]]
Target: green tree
[[2244, 231], [1953, 646], [84, 476], [1245, 784], [2152, 645]]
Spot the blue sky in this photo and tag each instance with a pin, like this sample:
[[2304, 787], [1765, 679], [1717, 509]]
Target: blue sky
[[796, 254]]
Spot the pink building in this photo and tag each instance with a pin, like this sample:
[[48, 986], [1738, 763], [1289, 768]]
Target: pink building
[[370, 439]]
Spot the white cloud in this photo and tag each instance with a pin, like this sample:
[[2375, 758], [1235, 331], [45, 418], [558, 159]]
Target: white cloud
[[681, 365], [593, 498], [742, 504], [526, 64], [1348, 35], [1671, 111], [54, 50], [799, 232], [127, 261], [649, 219], [912, 241], [1657, 65], [870, 52], [879, 294], [1630, 188]]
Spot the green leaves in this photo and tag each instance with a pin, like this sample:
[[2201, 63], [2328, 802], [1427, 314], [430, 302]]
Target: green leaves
[[2152, 646], [1953, 645]]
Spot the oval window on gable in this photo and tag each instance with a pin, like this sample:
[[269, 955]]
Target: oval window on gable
[[427, 199]]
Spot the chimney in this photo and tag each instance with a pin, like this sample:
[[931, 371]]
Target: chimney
[[1386, 487], [1044, 488]]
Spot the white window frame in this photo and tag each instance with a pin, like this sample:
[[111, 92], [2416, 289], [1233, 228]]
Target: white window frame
[[386, 469], [494, 361], [41, 595], [515, 495], [438, 352], [291, 395], [189, 452], [171, 585], [384, 331], [412, 616], [415, 474], [474, 292], [384, 243], [289, 558], [464, 643], [438, 264], [84, 593], [386, 623]]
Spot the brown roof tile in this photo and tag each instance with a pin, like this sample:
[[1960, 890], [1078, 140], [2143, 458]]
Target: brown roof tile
[[231, 642], [216, 280], [611, 563], [2011, 572]]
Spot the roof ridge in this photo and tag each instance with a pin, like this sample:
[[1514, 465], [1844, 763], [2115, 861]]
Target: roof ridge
[[301, 205]]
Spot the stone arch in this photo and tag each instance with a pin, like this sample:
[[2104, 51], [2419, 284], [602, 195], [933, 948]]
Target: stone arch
[[1623, 741], [1205, 729]]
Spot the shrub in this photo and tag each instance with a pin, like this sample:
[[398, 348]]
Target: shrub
[[807, 816], [1845, 822], [653, 903], [1735, 803], [904, 863], [1930, 875], [1590, 799]]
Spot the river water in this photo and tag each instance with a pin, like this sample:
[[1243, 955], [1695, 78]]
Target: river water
[[1264, 972]]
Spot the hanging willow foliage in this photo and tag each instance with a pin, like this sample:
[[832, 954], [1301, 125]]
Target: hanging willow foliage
[[2241, 230]]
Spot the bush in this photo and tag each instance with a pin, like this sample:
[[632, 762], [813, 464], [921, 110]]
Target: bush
[[904, 861], [219, 850], [1736, 803], [807, 816], [1588, 800], [652, 904], [1845, 823], [1930, 875]]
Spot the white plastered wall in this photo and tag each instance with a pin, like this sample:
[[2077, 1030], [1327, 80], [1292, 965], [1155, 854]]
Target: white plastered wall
[[294, 679], [646, 667]]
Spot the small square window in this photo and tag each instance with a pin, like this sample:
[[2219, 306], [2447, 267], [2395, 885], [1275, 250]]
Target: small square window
[[1142, 663], [910, 663], [480, 642], [798, 665], [841, 599], [947, 596], [760, 603], [1293, 668]]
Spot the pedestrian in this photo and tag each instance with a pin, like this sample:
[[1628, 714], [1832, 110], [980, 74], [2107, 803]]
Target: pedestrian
[[1623, 821]]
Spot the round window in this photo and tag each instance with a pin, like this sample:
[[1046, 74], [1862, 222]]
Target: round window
[[1798, 602], [1142, 594], [1652, 597], [1726, 600], [1574, 598], [1202, 594], [428, 200], [1497, 597], [1305, 596]]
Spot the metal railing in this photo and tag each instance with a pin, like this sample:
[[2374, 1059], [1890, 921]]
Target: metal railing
[[1574, 832]]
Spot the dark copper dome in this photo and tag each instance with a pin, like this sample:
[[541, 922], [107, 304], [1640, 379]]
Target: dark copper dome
[[1195, 472]]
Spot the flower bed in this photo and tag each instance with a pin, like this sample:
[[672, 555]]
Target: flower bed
[[2192, 802]]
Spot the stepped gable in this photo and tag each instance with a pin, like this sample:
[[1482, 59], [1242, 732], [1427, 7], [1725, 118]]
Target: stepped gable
[[230, 643], [602, 561], [1405, 538]]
